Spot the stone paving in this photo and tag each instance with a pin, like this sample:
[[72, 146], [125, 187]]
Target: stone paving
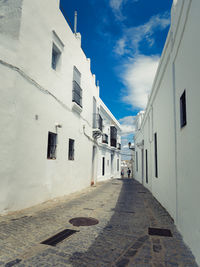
[[125, 210]]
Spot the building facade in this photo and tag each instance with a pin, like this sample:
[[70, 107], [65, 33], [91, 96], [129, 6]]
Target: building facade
[[52, 117], [167, 139]]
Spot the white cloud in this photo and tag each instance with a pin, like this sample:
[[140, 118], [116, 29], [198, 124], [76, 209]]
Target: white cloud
[[138, 78], [126, 152], [133, 36], [116, 6], [127, 125]]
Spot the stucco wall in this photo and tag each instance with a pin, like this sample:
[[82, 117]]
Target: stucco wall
[[34, 99], [178, 147]]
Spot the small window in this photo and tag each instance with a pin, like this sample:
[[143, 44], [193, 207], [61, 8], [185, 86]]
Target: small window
[[71, 150], [55, 57], [156, 155], [103, 166], [136, 161], [52, 143], [117, 164], [147, 166], [183, 119]]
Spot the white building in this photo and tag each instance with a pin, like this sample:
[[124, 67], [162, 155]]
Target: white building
[[168, 139], [50, 110]]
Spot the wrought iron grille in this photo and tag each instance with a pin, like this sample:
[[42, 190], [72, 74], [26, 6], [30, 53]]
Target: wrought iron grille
[[97, 121], [105, 138], [113, 136], [77, 94]]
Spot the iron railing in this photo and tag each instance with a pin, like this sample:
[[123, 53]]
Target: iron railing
[[105, 138], [77, 94], [97, 121], [113, 136]]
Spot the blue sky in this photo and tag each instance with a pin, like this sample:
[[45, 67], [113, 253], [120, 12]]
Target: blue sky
[[124, 39]]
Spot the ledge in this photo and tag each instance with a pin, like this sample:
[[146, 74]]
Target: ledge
[[76, 107]]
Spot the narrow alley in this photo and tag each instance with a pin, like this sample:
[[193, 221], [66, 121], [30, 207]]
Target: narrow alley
[[125, 211]]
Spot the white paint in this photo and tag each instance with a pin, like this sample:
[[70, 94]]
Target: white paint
[[178, 183], [36, 99]]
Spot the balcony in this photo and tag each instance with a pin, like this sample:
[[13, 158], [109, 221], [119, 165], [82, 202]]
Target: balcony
[[77, 94], [97, 122], [97, 125], [113, 136], [105, 139], [119, 146]]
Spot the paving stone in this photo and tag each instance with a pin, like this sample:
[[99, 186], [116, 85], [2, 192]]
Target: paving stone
[[125, 210], [157, 248]]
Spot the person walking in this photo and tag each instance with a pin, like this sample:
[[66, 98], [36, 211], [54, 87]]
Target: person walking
[[122, 173], [129, 172]]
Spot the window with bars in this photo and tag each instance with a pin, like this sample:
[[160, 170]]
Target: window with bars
[[52, 144], [77, 91], [71, 150], [183, 118], [113, 136]]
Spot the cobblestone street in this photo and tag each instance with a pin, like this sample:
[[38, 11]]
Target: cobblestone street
[[125, 210]]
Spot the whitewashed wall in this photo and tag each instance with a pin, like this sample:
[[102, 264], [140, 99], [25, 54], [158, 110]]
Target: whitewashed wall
[[34, 98], [177, 185]]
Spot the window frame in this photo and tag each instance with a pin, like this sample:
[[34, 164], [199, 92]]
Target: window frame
[[77, 92], [55, 63], [71, 149], [103, 166], [183, 110], [52, 145]]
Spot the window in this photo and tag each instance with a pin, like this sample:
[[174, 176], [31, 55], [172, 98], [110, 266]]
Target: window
[[156, 155], [146, 166], [77, 91], [183, 119], [52, 143], [103, 166], [117, 164], [136, 161], [113, 136], [55, 57], [71, 150], [105, 138]]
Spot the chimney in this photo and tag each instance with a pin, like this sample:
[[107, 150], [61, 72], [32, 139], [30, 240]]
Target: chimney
[[75, 22]]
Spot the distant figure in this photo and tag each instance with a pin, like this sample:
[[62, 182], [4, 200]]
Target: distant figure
[[129, 172], [122, 173]]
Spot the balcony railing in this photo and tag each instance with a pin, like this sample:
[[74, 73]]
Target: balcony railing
[[97, 122], [113, 136], [119, 146], [105, 138], [77, 94]]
